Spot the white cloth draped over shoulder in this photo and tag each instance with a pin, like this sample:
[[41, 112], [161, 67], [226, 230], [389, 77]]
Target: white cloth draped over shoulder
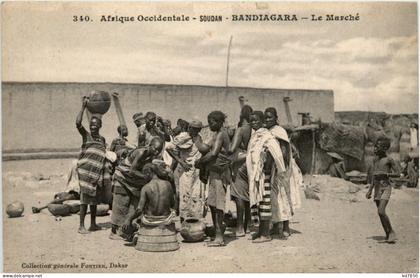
[[292, 179], [261, 141], [296, 182]]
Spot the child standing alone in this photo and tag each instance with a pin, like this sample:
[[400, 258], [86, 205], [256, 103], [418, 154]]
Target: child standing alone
[[379, 172]]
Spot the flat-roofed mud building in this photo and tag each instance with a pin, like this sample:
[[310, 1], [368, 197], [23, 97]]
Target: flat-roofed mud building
[[42, 115]]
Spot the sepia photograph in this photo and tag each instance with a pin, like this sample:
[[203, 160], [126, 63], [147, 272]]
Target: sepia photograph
[[210, 137]]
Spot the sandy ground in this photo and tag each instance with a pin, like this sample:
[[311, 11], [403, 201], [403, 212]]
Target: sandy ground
[[339, 233]]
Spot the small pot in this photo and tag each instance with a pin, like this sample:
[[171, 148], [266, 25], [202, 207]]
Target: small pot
[[15, 209], [193, 230]]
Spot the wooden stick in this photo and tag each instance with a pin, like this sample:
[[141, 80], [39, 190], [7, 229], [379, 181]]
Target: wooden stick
[[313, 153], [118, 109]]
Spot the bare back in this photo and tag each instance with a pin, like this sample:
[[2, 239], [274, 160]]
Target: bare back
[[159, 197], [223, 135]]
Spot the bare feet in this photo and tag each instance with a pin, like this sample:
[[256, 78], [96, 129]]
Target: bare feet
[[95, 227], [133, 242], [392, 237], [262, 239], [114, 236], [216, 243], [282, 236], [83, 231], [255, 236], [240, 232]]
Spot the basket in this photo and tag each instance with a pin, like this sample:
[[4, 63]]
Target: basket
[[157, 239]]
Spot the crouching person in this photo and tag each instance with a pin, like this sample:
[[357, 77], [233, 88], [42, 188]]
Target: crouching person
[[155, 212], [129, 178]]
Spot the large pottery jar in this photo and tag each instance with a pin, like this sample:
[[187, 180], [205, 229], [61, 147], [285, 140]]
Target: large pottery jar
[[99, 102], [59, 209], [15, 209], [193, 230]]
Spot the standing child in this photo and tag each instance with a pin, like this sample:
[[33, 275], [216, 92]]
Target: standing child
[[382, 169], [93, 176], [120, 145]]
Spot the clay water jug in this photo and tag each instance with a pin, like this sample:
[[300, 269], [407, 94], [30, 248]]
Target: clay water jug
[[193, 230], [15, 209], [99, 102]]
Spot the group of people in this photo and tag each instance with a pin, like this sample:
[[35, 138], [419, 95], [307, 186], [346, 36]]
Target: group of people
[[180, 171]]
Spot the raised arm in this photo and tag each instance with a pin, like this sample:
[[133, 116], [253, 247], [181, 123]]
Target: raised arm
[[79, 117]]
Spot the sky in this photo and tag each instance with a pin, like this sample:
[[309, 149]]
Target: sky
[[370, 64]]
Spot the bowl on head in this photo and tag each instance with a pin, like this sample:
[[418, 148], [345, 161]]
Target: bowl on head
[[99, 102]]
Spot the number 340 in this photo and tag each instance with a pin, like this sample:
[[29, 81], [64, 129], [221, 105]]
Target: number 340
[[81, 18]]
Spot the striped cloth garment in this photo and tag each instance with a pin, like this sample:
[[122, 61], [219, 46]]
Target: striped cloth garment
[[261, 142], [263, 211], [91, 168]]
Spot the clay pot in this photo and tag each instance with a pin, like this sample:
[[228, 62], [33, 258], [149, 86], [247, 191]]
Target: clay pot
[[59, 210], [74, 205], [15, 209], [192, 230], [99, 102]]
